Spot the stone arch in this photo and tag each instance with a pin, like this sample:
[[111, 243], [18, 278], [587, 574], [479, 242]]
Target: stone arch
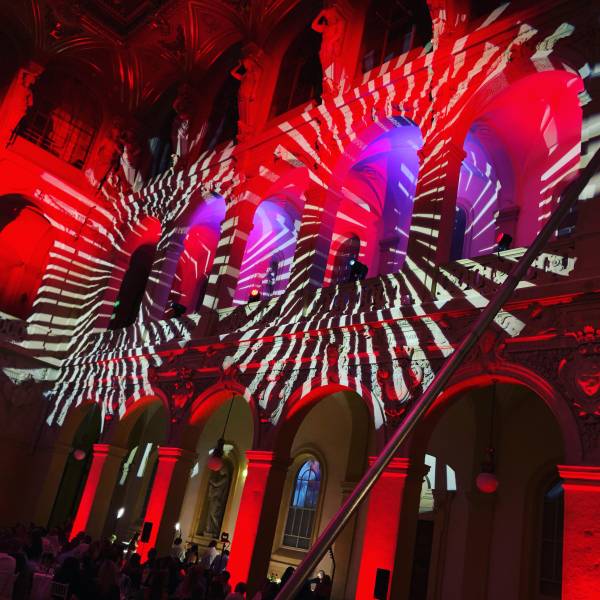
[[210, 400], [307, 396], [24, 265], [516, 178], [134, 408], [146, 232], [224, 410], [189, 254], [471, 377], [373, 192], [74, 418], [70, 462]]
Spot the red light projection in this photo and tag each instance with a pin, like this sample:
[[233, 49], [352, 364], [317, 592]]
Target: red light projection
[[411, 169]]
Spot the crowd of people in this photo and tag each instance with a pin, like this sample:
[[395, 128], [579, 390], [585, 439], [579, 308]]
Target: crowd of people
[[108, 570]]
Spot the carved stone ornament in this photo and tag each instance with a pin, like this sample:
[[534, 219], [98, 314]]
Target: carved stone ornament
[[402, 386], [579, 374]]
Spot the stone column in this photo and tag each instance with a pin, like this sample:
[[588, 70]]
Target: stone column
[[166, 497], [442, 503], [314, 241], [581, 546], [480, 524], [252, 542], [229, 255], [343, 550], [392, 512], [97, 493], [162, 276], [435, 201]]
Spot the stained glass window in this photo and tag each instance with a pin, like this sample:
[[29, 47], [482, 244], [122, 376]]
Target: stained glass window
[[303, 506]]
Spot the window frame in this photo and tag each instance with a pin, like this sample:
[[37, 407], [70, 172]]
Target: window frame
[[289, 493]]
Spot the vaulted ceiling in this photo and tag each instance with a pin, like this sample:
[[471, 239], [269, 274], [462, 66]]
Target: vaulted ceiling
[[132, 50]]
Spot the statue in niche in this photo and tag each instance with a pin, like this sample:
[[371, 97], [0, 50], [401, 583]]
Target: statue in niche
[[217, 494], [23, 97], [331, 25], [248, 71]]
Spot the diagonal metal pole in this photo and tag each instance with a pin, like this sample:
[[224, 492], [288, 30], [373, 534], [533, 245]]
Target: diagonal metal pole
[[362, 489]]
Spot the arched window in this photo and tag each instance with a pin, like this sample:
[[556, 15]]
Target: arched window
[[300, 76], [303, 506], [551, 543], [132, 289], [63, 119], [392, 27], [26, 238], [458, 234], [347, 252]]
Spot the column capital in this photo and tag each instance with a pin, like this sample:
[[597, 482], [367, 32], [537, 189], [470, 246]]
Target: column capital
[[243, 210], [265, 459], [109, 450], [169, 453], [402, 467], [580, 475]]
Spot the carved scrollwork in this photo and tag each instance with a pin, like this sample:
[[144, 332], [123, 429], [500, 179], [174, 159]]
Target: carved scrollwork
[[579, 374]]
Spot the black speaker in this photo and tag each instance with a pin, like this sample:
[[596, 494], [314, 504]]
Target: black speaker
[[146, 531], [382, 582]]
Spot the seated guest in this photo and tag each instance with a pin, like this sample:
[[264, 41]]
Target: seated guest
[[220, 562], [209, 555], [239, 593]]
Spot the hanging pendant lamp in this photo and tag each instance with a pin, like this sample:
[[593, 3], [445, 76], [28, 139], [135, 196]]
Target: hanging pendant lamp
[[215, 460], [487, 481]]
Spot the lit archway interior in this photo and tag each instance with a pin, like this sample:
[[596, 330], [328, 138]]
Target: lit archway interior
[[199, 247], [26, 237], [376, 208], [520, 153], [134, 261], [270, 249]]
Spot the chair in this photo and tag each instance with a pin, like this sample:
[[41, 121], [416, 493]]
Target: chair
[[40, 587], [59, 591], [7, 581]]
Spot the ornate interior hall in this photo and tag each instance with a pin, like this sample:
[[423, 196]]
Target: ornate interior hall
[[239, 240]]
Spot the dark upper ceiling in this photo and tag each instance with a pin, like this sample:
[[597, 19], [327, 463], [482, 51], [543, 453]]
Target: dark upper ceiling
[[121, 16], [131, 51]]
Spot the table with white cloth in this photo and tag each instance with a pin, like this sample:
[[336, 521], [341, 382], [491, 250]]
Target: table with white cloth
[[40, 588]]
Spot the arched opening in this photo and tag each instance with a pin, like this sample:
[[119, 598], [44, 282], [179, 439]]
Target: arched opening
[[141, 431], [300, 77], [325, 460], [199, 247], [26, 238], [377, 202], [63, 119], [518, 161], [270, 249], [392, 28], [131, 293], [478, 539], [213, 496], [76, 468]]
